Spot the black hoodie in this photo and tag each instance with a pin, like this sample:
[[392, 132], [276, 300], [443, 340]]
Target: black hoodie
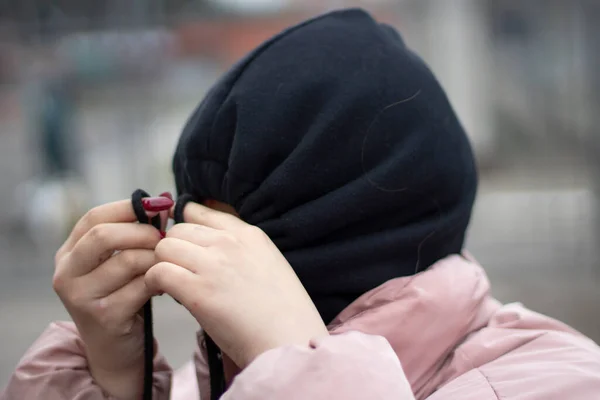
[[336, 140]]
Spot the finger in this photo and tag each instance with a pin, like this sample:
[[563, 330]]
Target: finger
[[128, 300], [100, 242], [198, 234], [117, 272], [164, 215], [164, 219], [195, 213], [178, 282], [184, 254], [119, 211]]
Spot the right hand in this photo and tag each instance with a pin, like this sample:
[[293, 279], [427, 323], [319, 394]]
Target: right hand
[[99, 277]]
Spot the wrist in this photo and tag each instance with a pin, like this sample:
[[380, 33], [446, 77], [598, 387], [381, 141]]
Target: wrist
[[120, 377], [301, 338], [123, 384]]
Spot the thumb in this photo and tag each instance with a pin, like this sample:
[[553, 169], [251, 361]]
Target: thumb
[[173, 280]]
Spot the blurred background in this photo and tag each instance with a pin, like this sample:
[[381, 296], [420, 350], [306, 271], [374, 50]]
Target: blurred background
[[93, 96]]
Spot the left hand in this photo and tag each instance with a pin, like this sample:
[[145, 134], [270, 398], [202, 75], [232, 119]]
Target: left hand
[[236, 283]]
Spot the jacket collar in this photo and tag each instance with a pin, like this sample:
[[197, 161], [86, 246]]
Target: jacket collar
[[424, 317]]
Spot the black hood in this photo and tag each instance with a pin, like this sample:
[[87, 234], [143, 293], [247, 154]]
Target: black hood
[[336, 140]]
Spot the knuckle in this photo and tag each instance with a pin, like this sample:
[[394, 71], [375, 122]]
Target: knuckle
[[90, 218], [101, 312], [59, 261], [58, 256], [59, 278], [74, 301], [58, 283], [210, 287], [193, 211], [77, 297], [255, 232], [103, 256], [99, 234], [227, 239], [110, 317], [139, 260], [220, 259], [129, 258]]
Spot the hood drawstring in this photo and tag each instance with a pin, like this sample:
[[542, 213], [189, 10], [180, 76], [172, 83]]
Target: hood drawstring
[[140, 213], [215, 362]]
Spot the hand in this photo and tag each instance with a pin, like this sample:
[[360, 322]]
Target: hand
[[236, 283], [99, 277]]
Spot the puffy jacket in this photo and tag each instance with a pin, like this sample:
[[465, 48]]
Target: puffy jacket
[[437, 335]]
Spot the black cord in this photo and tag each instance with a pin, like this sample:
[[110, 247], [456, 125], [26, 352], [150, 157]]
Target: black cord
[[140, 213], [214, 357], [148, 351], [215, 368]]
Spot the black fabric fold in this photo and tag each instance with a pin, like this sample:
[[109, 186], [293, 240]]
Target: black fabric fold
[[336, 140]]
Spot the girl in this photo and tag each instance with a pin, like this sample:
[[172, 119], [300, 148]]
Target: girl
[[325, 186]]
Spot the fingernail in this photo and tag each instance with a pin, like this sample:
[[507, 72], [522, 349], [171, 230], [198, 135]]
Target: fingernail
[[162, 234], [157, 203], [168, 195]]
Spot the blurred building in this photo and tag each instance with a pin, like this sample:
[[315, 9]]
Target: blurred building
[[521, 75]]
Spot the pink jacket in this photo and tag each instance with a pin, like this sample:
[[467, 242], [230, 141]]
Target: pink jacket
[[437, 335]]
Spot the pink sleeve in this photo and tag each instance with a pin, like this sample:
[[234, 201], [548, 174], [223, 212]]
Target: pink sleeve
[[349, 366], [55, 368]]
